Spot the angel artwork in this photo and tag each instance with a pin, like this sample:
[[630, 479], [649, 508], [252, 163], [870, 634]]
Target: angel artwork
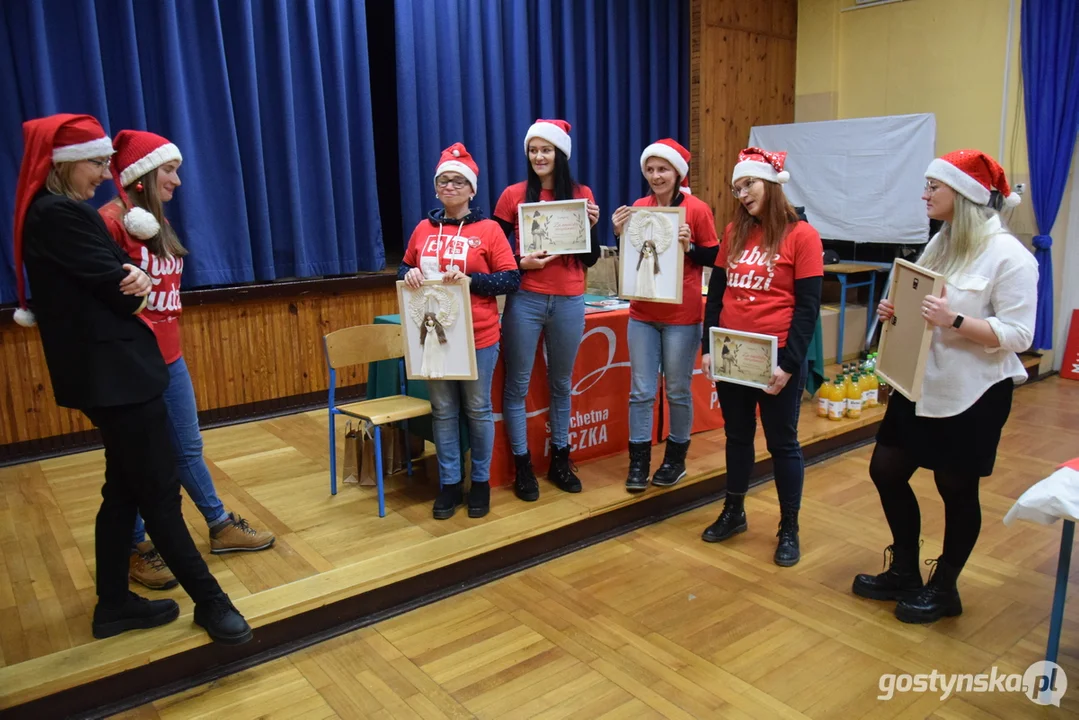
[[651, 235], [434, 310]]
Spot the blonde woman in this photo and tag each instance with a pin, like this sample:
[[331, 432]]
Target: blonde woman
[[984, 316]]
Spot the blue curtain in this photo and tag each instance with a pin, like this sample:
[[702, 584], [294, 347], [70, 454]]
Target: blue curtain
[[1049, 43], [481, 72], [268, 100]]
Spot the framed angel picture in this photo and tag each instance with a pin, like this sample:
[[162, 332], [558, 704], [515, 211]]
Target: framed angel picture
[[559, 227], [650, 255], [436, 320]]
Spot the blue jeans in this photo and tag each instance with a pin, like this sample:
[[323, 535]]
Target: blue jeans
[[779, 416], [672, 348], [447, 397], [187, 444], [561, 319]]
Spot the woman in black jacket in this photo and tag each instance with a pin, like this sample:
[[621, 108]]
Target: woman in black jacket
[[103, 359]]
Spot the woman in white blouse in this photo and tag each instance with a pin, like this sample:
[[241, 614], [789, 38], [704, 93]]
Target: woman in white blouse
[[982, 319]]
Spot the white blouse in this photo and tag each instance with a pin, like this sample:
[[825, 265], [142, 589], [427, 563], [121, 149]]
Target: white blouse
[[999, 286]]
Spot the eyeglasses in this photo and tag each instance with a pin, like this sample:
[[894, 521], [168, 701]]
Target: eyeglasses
[[738, 192], [457, 182], [931, 188], [101, 164]]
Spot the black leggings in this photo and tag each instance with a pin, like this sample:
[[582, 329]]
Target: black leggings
[[891, 470]]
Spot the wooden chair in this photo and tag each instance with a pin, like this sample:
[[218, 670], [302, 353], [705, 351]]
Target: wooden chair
[[367, 344]]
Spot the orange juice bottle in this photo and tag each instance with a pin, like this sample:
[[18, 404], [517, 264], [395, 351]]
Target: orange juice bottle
[[837, 400], [824, 397], [854, 398], [870, 387]]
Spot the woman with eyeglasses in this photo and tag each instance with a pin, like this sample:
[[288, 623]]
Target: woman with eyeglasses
[[768, 278], [145, 170], [104, 360], [550, 302], [455, 242], [663, 336], [984, 316]]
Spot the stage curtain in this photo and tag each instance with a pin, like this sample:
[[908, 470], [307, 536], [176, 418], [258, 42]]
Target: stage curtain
[[1049, 44], [268, 100], [481, 72]]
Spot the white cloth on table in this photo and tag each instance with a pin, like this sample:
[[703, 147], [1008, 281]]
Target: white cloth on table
[[1056, 497]]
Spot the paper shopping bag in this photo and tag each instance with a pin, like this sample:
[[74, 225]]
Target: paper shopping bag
[[350, 469], [602, 278]]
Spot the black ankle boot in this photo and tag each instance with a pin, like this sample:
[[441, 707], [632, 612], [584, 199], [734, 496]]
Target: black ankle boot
[[479, 499], [730, 522], [939, 598], [134, 613], [787, 551], [640, 464], [900, 580], [561, 472], [222, 621], [673, 468], [449, 497], [525, 485]]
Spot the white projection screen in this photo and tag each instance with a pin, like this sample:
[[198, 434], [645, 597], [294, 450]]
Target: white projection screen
[[859, 180]]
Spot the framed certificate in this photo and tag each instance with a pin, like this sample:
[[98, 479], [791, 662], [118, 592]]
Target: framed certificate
[[904, 340], [560, 227], [436, 324], [743, 358], [650, 258]]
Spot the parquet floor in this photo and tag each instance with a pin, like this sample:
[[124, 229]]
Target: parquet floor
[[658, 624], [275, 474]]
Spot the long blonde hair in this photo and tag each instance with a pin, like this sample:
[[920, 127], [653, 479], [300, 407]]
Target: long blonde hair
[[961, 239], [59, 180]]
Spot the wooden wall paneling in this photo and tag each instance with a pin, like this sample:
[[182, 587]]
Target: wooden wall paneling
[[239, 353], [746, 78]]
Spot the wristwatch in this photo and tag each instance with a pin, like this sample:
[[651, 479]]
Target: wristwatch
[[958, 321]]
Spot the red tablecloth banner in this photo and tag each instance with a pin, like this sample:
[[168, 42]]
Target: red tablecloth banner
[[1069, 366], [599, 405]]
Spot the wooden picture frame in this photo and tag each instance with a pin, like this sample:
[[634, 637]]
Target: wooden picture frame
[[560, 227], [904, 340], [743, 358], [655, 228], [448, 350]]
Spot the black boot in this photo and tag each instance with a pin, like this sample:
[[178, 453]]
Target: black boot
[[787, 551], [900, 580], [561, 472], [449, 497], [673, 468], [640, 464], [479, 499], [222, 621], [730, 522], [939, 598], [134, 613], [525, 485]]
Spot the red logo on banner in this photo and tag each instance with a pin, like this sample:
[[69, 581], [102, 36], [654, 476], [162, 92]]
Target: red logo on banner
[[1069, 366]]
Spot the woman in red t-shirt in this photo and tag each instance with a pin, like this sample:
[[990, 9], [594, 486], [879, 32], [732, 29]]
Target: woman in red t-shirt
[[550, 301], [456, 242], [663, 336], [767, 280], [145, 170]]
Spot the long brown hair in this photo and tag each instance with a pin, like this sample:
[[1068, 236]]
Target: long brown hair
[[776, 216], [165, 242]]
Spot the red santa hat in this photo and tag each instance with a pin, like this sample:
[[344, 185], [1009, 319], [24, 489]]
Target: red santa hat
[[972, 174], [137, 153], [456, 158], [555, 132], [674, 153], [46, 141], [756, 163]]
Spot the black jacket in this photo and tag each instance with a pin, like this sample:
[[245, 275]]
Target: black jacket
[[99, 353]]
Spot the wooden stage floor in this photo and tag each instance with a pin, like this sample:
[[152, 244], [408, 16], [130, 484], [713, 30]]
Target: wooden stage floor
[[329, 549]]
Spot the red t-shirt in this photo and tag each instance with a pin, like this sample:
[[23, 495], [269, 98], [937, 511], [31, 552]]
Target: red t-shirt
[[476, 247], [565, 275], [761, 299], [702, 228], [163, 309]]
